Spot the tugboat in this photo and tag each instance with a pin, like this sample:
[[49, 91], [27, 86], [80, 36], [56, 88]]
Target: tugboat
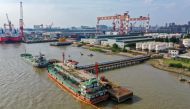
[[37, 61]]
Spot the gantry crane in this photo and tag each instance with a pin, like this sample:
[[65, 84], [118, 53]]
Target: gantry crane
[[123, 21]]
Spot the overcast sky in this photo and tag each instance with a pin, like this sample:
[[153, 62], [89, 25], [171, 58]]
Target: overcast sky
[[66, 13]]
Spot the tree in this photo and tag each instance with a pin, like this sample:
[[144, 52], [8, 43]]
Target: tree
[[187, 36], [115, 46]]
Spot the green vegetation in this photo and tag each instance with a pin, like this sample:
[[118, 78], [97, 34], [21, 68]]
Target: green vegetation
[[116, 48], [96, 49], [131, 45], [108, 46], [178, 63], [187, 36], [173, 39], [83, 43]]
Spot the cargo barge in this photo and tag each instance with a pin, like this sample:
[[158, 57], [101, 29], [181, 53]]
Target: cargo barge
[[82, 86], [85, 86], [60, 43]]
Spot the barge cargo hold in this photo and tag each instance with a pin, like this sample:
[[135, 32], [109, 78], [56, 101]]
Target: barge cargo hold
[[120, 94]]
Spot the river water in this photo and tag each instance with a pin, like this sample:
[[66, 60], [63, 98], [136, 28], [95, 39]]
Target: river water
[[25, 87]]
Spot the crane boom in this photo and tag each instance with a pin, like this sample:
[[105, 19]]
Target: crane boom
[[9, 22]]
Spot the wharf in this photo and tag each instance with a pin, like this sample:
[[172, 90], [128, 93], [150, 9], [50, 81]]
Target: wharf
[[110, 65]]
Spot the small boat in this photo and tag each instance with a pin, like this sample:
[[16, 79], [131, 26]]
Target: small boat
[[182, 79], [81, 54], [37, 61], [188, 81], [91, 55]]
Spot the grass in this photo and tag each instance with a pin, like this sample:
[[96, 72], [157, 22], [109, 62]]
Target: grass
[[185, 64], [96, 49]]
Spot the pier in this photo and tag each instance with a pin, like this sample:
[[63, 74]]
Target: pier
[[110, 65]]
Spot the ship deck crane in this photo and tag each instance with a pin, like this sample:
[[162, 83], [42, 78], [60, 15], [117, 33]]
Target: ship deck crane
[[124, 21]]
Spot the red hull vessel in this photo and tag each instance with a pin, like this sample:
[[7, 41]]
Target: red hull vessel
[[10, 39]]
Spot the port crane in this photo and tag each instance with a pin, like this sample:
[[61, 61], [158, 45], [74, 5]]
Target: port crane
[[49, 26], [21, 21], [123, 20], [10, 25]]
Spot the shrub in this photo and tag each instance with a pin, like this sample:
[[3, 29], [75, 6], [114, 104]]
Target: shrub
[[176, 65], [115, 48]]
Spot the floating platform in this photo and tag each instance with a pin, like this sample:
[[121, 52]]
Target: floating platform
[[120, 94]]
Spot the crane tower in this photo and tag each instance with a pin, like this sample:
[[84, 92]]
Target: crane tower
[[21, 21], [124, 21]]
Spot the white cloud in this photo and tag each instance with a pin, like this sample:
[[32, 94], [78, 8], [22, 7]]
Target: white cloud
[[148, 1]]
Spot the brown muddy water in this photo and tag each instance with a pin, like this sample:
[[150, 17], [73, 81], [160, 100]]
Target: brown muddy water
[[25, 87]]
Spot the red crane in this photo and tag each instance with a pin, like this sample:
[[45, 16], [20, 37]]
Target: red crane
[[123, 22]]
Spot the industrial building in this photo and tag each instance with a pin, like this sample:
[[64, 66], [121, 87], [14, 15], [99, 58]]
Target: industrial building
[[121, 41], [163, 35], [154, 46], [173, 53], [186, 42]]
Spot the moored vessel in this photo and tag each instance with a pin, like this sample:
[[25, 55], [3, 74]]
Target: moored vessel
[[37, 61], [82, 86], [86, 86], [61, 42]]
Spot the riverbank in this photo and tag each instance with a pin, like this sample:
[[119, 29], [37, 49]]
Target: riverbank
[[160, 64], [108, 50]]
